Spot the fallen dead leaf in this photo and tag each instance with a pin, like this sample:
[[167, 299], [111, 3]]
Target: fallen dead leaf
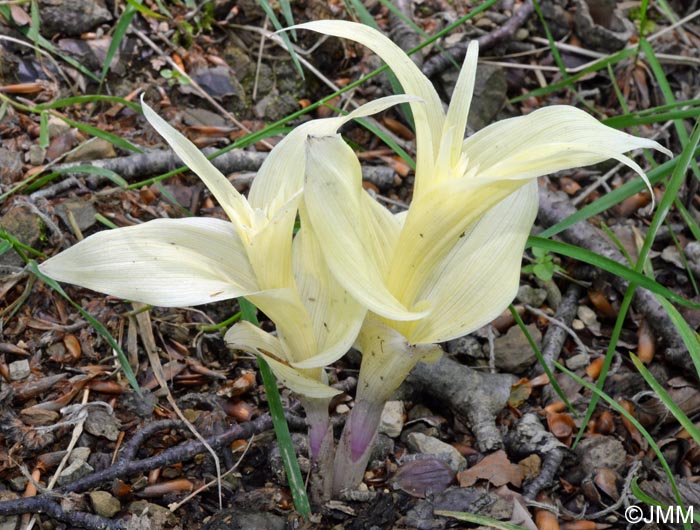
[[496, 468]]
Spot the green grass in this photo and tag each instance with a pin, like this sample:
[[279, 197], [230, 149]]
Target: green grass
[[291, 465]]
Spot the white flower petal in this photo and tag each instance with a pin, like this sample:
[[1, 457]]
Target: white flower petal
[[270, 247], [435, 224], [477, 280], [336, 316], [294, 327], [355, 245], [165, 262], [387, 358], [458, 111], [246, 337], [233, 203], [282, 174], [429, 117], [549, 140]]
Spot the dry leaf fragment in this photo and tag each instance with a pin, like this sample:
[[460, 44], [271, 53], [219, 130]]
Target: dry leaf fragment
[[646, 345], [602, 304], [634, 433], [171, 486], [530, 466], [520, 392], [561, 425], [422, 477], [399, 129], [496, 468], [605, 424], [544, 519], [606, 480], [595, 368]]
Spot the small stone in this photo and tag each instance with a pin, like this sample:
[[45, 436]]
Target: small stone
[[83, 213], [104, 504], [601, 26], [36, 154], [154, 517], [74, 471], [513, 351], [419, 411], [522, 34], [10, 166], [382, 448], [589, 318], [692, 251], [391, 422], [79, 454], [578, 361], [19, 370], [92, 149], [467, 345], [72, 17], [671, 255], [578, 325], [601, 451], [531, 296], [57, 126], [18, 483], [101, 423], [490, 95], [420, 443]]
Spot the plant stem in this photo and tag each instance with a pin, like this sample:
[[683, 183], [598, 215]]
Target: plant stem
[[356, 442], [387, 358]]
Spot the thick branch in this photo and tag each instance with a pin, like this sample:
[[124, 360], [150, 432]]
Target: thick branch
[[125, 468], [476, 396], [439, 62], [140, 166], [555, 207]]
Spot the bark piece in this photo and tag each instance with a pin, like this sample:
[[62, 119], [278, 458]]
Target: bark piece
[[555, 207], [475, 396]]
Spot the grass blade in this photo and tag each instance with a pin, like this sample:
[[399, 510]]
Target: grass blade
[[44, 138], [688, 335], [541, 359], [93, 98], [608, 265], [284, 439], [93, 170], [665, 204], [666, 399], [642, 496], [117, 36], [285, 37], [104, 135], [598, 393], [615, 197], [550, 38]]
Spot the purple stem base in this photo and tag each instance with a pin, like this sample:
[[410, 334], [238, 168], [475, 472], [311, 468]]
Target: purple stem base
[[355, 446]]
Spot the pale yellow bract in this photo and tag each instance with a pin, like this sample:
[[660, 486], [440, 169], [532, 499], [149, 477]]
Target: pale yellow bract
[[394, 285], [181, 262], [451, 264]]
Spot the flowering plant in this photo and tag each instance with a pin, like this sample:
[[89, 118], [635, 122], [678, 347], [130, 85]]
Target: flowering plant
[[394, 285]]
